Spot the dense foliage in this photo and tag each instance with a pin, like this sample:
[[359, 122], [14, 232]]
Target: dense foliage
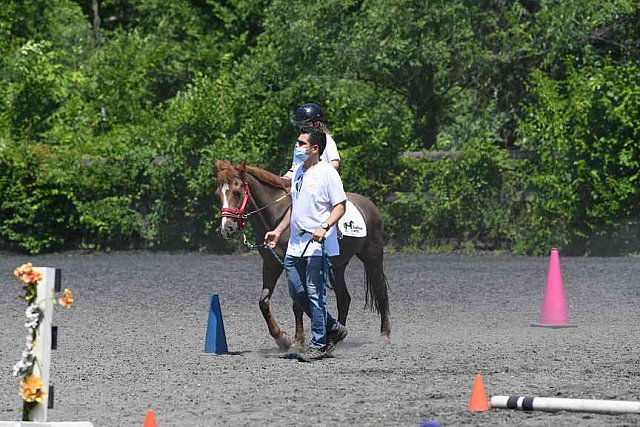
[[112, 113]]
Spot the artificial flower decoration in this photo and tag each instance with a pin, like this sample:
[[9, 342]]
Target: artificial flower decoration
[[34, 315], [26, 274], [29, 366], [32, 389], [23, 366], [66, 299]]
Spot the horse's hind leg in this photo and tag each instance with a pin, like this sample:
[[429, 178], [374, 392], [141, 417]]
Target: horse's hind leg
[[377, 290], [270, 274], [379, 287], [343, 299]]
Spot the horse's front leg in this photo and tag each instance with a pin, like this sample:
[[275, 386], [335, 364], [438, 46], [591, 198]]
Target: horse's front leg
[[298, 339], [270, 274]]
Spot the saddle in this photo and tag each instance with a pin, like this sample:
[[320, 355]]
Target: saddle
[[352, 223]]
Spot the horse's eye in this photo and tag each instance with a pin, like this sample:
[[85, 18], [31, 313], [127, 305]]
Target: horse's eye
[[237, 193]]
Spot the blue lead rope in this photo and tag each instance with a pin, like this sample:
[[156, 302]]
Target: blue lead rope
[[326, 264], [263, 246]]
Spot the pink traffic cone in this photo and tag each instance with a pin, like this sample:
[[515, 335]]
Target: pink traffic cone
[[554, 307]]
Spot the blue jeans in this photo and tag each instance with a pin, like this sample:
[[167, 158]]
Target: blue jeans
[[307, 288]]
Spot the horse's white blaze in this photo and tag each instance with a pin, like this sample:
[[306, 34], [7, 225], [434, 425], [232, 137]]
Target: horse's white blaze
[[225, 188], [227, 225]]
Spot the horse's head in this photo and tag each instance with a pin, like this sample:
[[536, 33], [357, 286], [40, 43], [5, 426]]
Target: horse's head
[[234, 195]]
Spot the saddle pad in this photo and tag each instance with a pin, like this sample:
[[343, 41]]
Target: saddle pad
[[352, 223]]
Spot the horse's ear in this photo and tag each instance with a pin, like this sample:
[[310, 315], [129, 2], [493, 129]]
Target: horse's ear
[[222, 164], [241, 167]]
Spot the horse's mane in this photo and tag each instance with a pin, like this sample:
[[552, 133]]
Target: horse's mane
[[228, 171], [266, 177]]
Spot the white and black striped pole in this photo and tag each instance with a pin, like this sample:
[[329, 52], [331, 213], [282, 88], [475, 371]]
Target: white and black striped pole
[[553, 404]]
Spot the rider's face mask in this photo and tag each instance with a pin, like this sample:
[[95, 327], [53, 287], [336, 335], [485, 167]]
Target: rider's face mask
[[300, 153]]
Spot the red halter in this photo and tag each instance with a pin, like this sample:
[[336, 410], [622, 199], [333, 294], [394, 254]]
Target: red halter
[[238, 214]]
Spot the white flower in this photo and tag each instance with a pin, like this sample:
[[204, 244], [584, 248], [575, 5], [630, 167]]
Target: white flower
[[29, 343], [21, 368], [33, 314], [33, 311]]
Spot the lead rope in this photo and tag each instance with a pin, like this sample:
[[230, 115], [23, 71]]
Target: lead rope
[[262, 246], [326, 263], [326, 259]]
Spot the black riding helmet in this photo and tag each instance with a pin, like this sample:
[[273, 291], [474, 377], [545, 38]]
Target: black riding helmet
[[307, 113]]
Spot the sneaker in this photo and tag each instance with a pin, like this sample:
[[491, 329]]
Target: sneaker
[[311, 355], [334, 337]]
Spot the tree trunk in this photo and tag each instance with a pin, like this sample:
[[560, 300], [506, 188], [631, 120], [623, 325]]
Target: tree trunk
[[95, 7], [425, 104]]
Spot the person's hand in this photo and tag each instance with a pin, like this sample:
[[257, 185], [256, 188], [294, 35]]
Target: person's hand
[[318, 235], [271, 238]]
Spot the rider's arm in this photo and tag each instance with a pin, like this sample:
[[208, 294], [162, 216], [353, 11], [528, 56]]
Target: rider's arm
[[289, 173], [331, 154]]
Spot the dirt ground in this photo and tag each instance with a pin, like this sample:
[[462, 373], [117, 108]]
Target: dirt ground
[[135, 339]]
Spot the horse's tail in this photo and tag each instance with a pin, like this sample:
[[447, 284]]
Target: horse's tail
[[376, 287]]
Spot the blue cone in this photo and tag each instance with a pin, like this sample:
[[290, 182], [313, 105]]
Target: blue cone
[[216, 341]]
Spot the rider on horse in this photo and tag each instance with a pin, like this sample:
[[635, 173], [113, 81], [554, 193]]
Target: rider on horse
[[310, 117]]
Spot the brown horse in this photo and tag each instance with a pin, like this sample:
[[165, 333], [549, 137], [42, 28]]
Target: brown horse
[[260, 197]]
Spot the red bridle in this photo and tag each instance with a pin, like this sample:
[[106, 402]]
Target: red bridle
[[238, 214]]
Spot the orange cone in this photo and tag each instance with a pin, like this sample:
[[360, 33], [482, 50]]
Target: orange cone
[[478, 401], [150, 419]]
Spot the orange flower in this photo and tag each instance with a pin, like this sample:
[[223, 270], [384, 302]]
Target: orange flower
[[26, 274], [32, 389], [66, 299]]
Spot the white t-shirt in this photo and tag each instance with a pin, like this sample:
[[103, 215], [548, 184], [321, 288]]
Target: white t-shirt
[[330, 152], [314, 193]]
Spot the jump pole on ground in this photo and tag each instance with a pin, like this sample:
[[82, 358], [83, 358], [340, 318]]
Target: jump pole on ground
[[553, 404]]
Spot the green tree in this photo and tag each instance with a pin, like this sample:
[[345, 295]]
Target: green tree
[[585, 179]]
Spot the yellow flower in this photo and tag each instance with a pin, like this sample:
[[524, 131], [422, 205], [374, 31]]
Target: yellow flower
[[26, 274], [66, 299], [32, 389]]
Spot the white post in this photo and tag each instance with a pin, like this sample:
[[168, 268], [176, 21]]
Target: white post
[[48, 285], [42, 346]]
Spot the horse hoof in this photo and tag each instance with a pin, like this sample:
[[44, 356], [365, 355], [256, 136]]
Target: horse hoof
[[384, 339], [297, 346], [283, 341], [290, 354]]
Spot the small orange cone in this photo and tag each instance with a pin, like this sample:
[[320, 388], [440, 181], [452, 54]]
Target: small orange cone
[[478, 400], [150, 419]]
